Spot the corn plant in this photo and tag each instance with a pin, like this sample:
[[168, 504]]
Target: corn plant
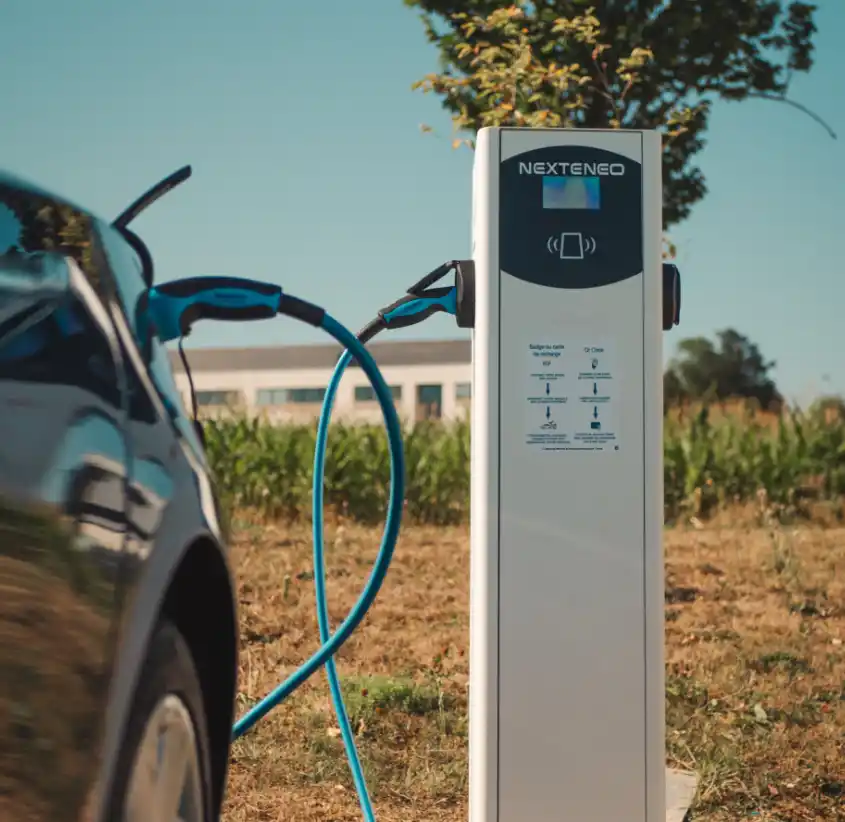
[[710, 461]]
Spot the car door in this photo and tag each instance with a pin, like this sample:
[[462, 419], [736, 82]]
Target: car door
[[63, 494]]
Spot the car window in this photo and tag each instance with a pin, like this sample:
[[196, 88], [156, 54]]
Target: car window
[[64, 347], [33, 223]]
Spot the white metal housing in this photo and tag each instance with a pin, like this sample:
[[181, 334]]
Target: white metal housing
[[566, 657]]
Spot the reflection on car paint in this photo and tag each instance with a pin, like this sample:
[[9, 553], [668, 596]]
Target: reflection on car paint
[[89, 479], [62, 444], [103, 485], [149, 494]]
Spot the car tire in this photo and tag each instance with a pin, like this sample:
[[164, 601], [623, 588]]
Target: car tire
[[167, 729]]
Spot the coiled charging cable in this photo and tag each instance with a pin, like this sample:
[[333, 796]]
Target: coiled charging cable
[[416, 306], [318, 522], [331, 643], [173, 307], [169, 311]]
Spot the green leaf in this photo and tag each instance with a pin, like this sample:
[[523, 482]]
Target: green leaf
[[630, 66]]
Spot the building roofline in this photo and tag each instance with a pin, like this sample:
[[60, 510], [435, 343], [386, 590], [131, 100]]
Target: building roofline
[[299, 357]]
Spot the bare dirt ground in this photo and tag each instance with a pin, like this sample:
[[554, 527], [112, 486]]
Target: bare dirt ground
[[755, 696]]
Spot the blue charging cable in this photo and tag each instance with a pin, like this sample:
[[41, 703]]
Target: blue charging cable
[[169, 311], [172, 309], [318, 520], [395, 505], [403, 312]]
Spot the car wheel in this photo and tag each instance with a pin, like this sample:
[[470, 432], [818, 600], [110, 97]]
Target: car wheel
[[164, 764]]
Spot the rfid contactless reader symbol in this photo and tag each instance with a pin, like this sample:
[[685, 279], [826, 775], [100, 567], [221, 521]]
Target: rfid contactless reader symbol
[[571, 245]]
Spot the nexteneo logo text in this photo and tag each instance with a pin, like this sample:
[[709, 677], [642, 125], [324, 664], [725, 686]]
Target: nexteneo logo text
[[574, 169]]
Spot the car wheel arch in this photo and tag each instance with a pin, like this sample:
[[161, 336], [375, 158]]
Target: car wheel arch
[[200, 600], [195, 590]]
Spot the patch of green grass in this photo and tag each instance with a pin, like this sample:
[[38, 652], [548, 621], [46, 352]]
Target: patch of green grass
[[696, 738], [781, 660], [409, 734], [369, 696]]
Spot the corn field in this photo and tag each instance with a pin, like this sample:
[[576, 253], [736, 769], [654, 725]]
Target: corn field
[[710, 460]]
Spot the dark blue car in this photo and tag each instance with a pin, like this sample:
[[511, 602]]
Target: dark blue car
[[118, 629]]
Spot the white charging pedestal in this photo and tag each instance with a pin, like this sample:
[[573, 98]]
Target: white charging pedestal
[[566, 650]]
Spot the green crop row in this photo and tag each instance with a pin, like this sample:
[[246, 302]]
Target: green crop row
[[709, 460]]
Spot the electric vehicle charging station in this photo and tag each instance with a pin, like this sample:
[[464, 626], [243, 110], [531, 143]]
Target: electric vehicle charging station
[[566, 716], [567, 296]]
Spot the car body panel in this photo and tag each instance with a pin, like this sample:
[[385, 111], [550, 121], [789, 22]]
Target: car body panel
[[103, 488]]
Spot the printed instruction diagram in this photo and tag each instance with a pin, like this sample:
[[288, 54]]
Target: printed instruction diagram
[[571, 397]]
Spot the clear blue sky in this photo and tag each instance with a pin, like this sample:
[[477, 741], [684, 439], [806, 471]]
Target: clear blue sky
[[310, 169]]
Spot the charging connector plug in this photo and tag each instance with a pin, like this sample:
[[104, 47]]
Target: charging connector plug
[[422, 300]]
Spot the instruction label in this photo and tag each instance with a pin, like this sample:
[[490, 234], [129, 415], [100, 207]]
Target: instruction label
[[571, 397]]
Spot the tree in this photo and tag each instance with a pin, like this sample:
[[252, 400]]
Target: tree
[[732, 368], [48, 225], [648, 64]]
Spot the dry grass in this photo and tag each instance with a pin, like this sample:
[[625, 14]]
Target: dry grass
[[755, 674]]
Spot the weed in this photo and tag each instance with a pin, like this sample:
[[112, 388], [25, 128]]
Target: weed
[[783, 660], [370, 696]]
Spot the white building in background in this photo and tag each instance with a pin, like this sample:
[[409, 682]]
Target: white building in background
[[429, 380]]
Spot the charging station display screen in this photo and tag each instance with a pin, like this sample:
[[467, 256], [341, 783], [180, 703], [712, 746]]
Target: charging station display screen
[[572, 193], [563, 228]]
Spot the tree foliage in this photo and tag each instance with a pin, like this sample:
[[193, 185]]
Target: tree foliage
[[733, 367], [645, 64], [48, 225]]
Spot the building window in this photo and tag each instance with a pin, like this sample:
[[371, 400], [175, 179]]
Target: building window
[[366, 393], [429, 402], [463, 390], [206, 398], [289, 396]]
